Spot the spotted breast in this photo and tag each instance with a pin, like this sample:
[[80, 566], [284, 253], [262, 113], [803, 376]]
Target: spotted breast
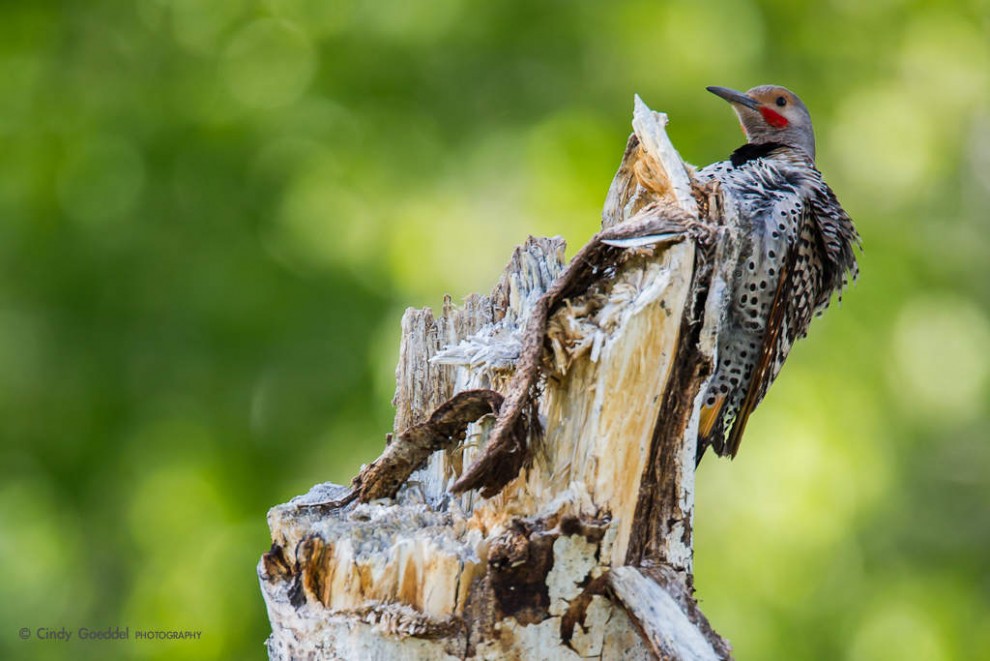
[[796, 252]]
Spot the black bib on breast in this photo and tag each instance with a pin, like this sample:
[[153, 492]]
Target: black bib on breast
[[752, 151]]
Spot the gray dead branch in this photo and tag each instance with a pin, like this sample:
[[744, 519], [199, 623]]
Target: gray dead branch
[[536, 498]]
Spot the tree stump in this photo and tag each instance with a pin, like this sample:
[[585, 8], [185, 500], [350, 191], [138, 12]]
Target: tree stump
[[535, 500]]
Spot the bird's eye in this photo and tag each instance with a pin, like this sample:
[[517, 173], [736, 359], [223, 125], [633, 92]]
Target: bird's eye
[[781, 101]]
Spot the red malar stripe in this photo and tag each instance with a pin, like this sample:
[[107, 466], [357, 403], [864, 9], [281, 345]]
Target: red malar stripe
[[773, 118]]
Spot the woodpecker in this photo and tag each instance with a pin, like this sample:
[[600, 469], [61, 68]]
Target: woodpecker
[[796, 252]]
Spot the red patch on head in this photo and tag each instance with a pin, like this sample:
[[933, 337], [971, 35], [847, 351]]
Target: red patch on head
[[773, 118]]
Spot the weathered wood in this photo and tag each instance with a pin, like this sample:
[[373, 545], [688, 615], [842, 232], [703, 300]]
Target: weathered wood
[[666, 624], [543, 449]]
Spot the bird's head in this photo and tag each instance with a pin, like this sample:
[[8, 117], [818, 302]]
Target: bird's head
[[771, 113]]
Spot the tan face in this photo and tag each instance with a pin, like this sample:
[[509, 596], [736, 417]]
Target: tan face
[[771, 113]]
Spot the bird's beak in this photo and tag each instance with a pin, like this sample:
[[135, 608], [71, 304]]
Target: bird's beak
[[732, 96]]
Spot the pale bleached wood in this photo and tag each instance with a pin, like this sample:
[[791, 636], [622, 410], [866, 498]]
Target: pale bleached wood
[[663, 620], [630, 344], [530, 572]]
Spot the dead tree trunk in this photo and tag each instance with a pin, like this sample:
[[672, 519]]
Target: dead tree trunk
[[536, 498]]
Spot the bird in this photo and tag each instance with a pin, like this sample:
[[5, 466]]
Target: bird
[[796, 252]]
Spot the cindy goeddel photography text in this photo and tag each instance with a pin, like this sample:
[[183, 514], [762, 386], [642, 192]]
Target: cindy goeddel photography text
[[62, 634]]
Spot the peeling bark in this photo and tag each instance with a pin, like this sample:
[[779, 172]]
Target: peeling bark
[[536, 497]]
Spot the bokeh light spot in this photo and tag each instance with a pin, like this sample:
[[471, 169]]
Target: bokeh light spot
[[941, 360], [409, 21], [324, 222], [159, 517], [39, 576], [321, 17], [198, 26], [683, 44], [945, 60], [886, 144], [897, 631], [268, 64]]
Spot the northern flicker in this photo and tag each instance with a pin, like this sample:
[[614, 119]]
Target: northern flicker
[[796, 252]]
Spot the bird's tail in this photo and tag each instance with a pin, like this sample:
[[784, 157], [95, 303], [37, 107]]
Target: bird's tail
[[711, 428]]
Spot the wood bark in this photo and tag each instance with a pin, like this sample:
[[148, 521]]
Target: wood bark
[[535, 499]]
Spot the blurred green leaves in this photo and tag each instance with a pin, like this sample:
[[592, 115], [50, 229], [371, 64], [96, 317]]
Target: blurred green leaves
[[215, 212]]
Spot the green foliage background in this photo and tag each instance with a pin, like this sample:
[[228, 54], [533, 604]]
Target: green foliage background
[[212, 214]]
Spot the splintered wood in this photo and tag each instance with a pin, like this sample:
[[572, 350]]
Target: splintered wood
[[535, 499]]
